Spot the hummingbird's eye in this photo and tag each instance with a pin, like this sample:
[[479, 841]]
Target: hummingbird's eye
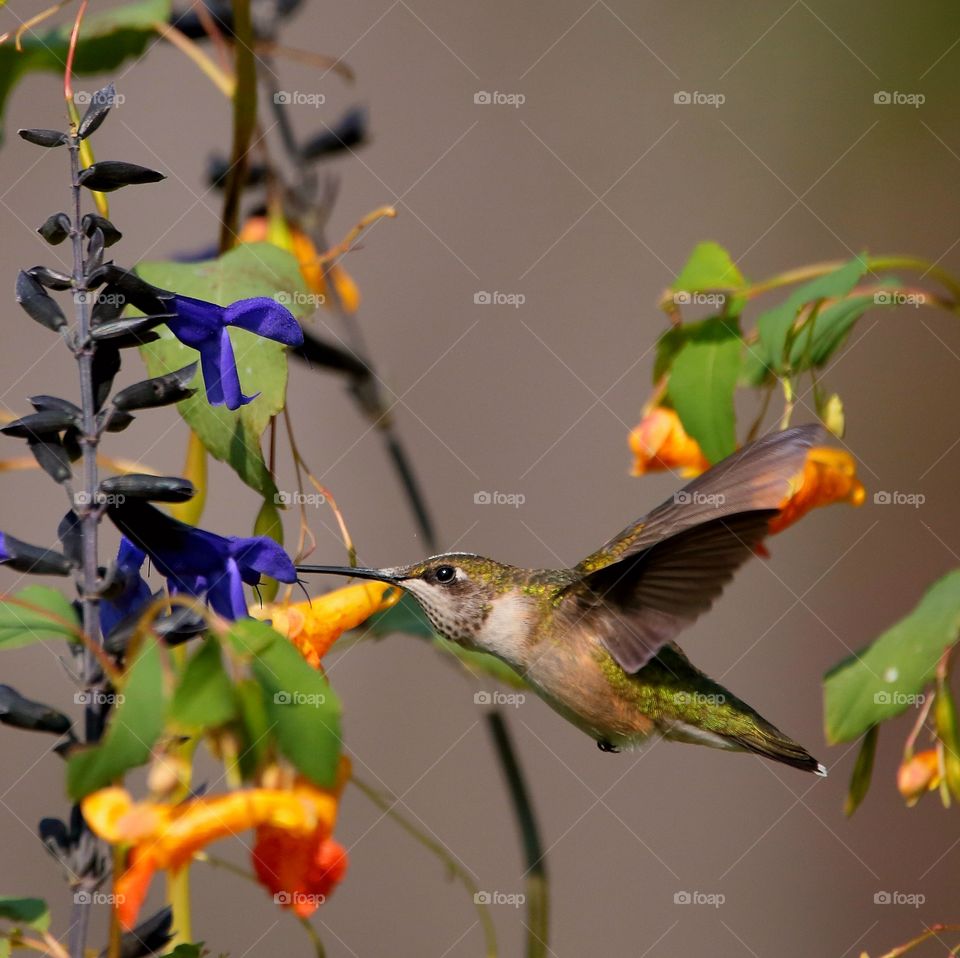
[[445, 573]]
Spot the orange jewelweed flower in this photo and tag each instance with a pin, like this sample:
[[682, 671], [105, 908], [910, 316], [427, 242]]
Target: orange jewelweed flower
[[257, 230], [829, 475], [660, 442], [313, 626], [300, 872], [919, 774], [164, 836]]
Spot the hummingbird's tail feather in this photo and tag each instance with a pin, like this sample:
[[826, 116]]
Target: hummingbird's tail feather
[[771, 743], [691, 707]]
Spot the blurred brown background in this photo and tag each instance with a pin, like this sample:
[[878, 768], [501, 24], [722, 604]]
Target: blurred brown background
[[586, 200]]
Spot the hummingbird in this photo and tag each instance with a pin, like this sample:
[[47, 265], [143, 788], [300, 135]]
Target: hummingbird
[[596, 641]]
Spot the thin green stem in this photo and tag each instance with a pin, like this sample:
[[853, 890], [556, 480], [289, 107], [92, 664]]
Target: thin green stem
[[538, 898], [314, 937], [178, 897], [244, 122]]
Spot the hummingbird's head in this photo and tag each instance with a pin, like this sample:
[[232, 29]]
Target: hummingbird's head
[[457, 590]]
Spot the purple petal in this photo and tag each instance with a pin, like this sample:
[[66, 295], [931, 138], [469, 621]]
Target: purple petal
[[196, 322], [4, 555], [261, 554], [225, 595], [220, 377], [265, 317], [130, 557]]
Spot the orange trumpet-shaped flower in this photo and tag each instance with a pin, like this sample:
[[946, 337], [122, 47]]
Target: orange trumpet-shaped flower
[[919, 774], [313, 626], [165, 836], [829, 475], [660, 442], [257, 230], [299, 872]]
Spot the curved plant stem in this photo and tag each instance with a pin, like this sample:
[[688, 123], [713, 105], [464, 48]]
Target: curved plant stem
[[387, 805], [538, 899], [314, 937], [244, 122], [221, 80]]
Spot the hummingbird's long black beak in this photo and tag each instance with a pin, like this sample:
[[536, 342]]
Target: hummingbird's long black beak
[[378, 575]]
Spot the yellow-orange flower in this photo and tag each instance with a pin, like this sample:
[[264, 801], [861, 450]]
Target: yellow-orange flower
[[919, 774], [257, 230], [661, 442], [828, 476], [313, 626], [164, 836]]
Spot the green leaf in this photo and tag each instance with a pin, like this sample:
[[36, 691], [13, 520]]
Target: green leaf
[[186, 950], [708, 268], [251, 637], [134, 726], [204, 697], [106, 41], [888, 676], [776, 325], [668, 345], [815, 345], [702, 383], [406, 617], [34, 614], [255, 726], [257, 269], [303, 710], [862, 771], [32, 912], [754, 369]]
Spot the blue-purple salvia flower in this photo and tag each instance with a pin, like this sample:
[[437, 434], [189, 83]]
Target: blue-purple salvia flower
[[134, 594], [203, 326], [201, 563]]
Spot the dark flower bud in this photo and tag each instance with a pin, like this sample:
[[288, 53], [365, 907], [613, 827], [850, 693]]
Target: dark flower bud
[[100, 104], [55, 228], [93, 221], [44, 137], [106, 365], [74, 846], [94, 251], [349, 131], [175, 627], [44, 403], [218, 170], [150, 937], [38, 304], [27, 558], [51, 278], [20, 712], [40, 424], [70, 534], [109, 175], [127, 328], [115, 420], [156, 488], [159, 391], [52, 457], [71, 444]]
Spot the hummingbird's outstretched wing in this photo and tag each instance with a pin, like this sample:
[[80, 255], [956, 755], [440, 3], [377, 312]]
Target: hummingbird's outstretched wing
[[656, 577]]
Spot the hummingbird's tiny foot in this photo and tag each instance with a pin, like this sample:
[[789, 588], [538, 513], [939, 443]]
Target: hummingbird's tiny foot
[[606, 746]]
